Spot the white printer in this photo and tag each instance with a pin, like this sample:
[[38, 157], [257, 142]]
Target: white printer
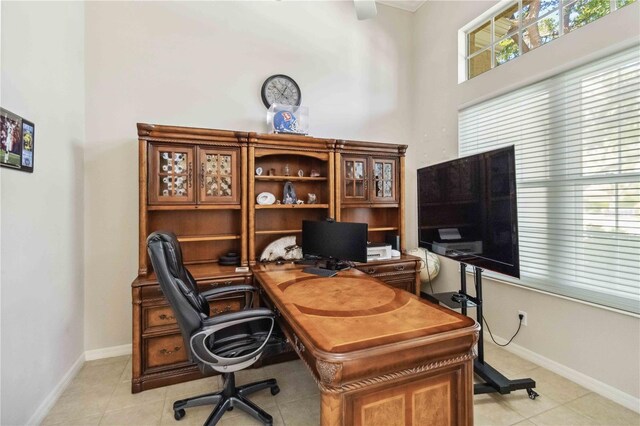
[[378, 251]]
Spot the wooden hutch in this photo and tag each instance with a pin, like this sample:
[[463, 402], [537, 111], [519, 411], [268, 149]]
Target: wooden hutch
[[202, 185]]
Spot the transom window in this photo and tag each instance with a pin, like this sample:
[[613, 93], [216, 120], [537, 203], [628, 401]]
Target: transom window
[[525, 25]]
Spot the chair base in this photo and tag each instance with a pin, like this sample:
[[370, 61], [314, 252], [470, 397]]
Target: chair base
[[228, 398]]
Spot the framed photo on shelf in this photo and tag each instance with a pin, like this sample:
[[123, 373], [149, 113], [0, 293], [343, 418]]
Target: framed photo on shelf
[[17, 139]]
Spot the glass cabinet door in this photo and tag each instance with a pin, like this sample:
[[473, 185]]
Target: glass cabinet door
[[355, 188], [219, 176], [384, 180], [171, 175]]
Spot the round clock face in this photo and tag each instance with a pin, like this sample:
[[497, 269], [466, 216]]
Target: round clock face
[[282, 90]]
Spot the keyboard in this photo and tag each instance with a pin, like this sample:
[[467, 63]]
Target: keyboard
[[320, 272]]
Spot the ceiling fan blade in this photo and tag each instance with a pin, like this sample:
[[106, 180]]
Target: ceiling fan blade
[[365, 9]]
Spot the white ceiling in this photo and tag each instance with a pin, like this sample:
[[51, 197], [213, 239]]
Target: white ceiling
[[408, 5]]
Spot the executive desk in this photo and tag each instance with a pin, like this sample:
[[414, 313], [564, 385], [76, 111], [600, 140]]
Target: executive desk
[[380, 356]]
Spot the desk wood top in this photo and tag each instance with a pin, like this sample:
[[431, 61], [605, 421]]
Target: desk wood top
[[353, 311]]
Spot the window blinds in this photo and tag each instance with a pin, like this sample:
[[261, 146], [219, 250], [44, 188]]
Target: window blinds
[[577, 144]]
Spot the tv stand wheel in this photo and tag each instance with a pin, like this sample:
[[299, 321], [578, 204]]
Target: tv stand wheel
[[532, 394]]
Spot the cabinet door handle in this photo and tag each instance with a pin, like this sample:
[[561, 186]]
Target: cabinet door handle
[[202, 175], [166, 317], [190, 174], [399, 267], [168, 352]]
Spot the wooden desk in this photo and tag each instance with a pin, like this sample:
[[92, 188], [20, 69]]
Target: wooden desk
[[380, 355]]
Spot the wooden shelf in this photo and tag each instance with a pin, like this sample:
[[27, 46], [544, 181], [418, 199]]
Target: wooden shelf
[[292, 206], [198, 238], [279, 232], [291, 178], [383, 228], [370, 206], [166, 207]]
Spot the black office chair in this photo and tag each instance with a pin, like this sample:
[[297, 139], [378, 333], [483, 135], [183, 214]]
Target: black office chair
[[225, 343]]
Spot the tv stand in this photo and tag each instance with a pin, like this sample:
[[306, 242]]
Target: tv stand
[[494, 380]]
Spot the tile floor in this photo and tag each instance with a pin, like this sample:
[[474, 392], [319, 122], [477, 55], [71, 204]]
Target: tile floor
[[101, 395]]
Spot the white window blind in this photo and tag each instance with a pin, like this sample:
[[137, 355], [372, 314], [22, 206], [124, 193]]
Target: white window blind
[[577, 144]]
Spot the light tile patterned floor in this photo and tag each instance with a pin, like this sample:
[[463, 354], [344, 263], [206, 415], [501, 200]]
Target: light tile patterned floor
[[101, 395]]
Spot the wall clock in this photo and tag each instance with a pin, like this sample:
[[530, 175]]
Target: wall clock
[[280, 89]]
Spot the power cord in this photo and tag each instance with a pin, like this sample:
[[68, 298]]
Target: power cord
[[426, 263], [512, 337]]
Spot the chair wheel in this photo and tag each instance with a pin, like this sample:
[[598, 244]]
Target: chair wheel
[[275, 390], [532, 394], [178, 414]]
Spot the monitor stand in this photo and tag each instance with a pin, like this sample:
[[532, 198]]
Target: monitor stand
[[335, 264]]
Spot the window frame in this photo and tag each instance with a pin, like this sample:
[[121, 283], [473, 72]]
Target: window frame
[[490, 16], [564, 169]]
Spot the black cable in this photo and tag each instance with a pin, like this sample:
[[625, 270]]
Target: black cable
[[491, 334]]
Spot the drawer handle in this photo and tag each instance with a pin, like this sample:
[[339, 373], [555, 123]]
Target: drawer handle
[[166, 317], [166, 352], [216, 285], [399, 267], [220, 311], [371, 271]]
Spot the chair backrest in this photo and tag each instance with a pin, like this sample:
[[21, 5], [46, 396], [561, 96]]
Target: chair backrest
[[177, 284]]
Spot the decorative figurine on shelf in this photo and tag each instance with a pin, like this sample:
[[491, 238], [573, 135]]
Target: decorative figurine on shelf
[[299, 202], [289, 192], [311, 198], [286, 171], [300, 173], [258, 171], [272, 172], [314, 173]]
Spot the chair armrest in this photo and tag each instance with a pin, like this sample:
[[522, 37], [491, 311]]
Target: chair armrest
[[241, 316], [222, 321], [223, 291]]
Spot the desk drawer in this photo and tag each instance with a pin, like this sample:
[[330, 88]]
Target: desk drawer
[[164, 351], [389, 268], [406, 282], [222, 282], [162, 316]]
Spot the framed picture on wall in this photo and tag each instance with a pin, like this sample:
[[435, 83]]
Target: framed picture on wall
[[28, 140], [17, 139], [10, 139]]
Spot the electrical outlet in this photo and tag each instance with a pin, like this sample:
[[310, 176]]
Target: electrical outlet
[[524, 317]]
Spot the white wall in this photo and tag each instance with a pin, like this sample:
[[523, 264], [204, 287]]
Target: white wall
[[601, 344], [42, 239], [202, 64]]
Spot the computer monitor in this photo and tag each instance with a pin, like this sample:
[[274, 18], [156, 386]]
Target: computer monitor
[[335, 240]]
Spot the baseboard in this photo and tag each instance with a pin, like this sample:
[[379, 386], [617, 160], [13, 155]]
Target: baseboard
[[601, 388], [48, 403], [109, 352]]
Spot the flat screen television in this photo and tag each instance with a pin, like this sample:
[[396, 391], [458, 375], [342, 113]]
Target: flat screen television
[[467, 210]]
